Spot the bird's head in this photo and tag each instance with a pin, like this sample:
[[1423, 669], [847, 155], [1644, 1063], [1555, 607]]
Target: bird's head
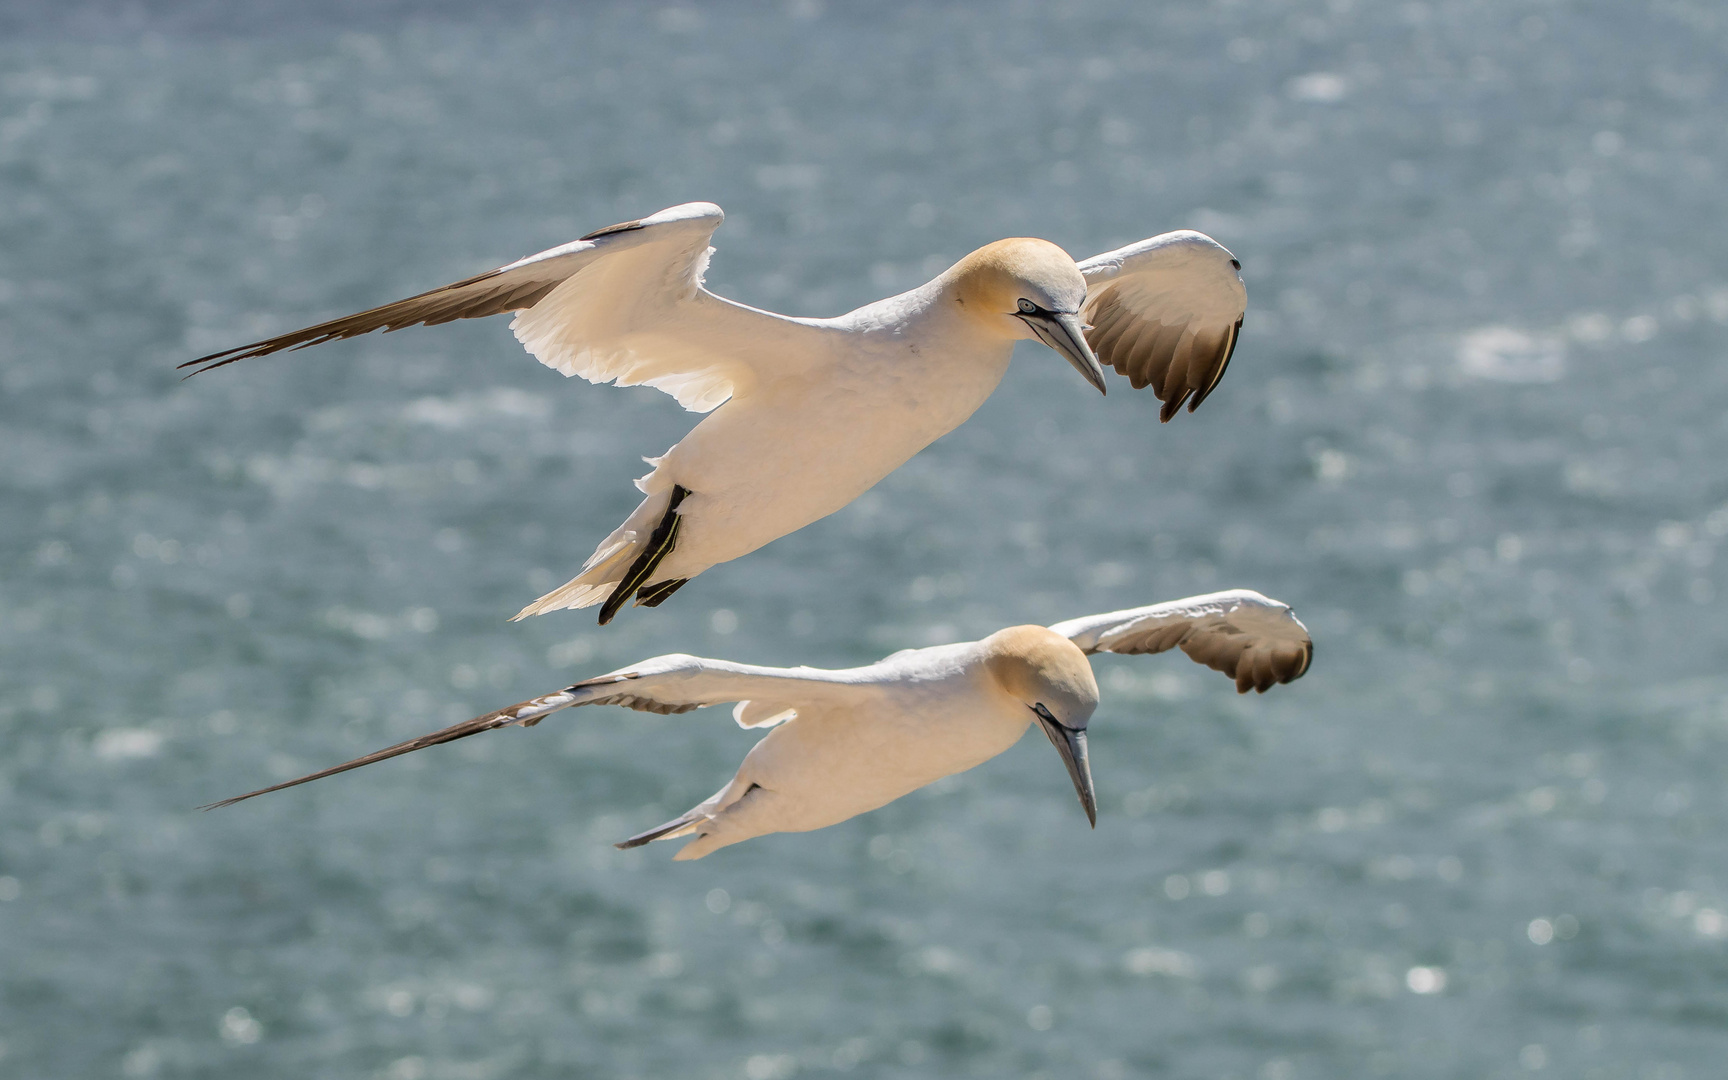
[[1051, 677], [1026, 288]]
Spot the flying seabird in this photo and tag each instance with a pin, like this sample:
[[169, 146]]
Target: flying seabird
[[848, 741], [816, 411]]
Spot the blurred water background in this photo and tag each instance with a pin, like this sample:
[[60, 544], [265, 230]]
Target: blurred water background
[[1474, 433]]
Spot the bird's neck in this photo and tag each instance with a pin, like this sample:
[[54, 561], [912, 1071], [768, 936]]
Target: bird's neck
[[945, 307]]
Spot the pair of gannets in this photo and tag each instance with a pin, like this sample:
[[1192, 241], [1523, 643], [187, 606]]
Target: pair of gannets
[[816, 411], [845, 742]]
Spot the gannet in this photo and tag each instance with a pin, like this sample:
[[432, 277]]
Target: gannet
[[846, 742], [816, 411]]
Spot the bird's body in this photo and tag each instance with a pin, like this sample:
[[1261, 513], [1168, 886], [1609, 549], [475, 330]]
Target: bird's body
[[807, 414], [872, 389], [896, 726], [844, 742]]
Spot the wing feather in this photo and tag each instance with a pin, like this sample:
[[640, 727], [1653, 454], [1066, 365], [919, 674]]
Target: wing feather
[[495, 292], [1253, 639], [1112, 319], [1150, 301], [665, 684], [622, 305]]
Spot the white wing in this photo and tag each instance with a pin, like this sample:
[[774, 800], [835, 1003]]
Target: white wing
[[1252, 638], [679, 683], [623, 305], [1166, 312], [666, 684]]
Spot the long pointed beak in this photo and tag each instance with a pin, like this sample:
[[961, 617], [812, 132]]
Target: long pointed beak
[[1064, 332], [1071, 744]]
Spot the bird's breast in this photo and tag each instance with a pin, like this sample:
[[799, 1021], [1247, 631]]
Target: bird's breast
[[870, 756], [798, 449], [907, 388], [930, 383]]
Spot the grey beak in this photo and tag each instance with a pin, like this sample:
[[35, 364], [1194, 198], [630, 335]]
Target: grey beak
[[1071, 744], [1064, 332]]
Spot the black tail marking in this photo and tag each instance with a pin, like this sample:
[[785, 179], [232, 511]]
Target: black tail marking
[[655, 595], [653, 834], [675, 824], [660, 544]]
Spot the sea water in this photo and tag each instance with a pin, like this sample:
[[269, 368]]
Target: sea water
[[1474, 433]]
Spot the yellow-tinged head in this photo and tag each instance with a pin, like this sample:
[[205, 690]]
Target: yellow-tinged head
[[1051, 676], [1027, 288], [1038, 665], [996, 277]]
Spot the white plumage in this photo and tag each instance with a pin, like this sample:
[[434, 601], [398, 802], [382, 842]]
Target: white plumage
[[805, 415], [848, 741]]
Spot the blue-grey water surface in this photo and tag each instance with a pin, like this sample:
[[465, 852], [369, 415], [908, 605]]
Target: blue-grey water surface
[[1474, 433]]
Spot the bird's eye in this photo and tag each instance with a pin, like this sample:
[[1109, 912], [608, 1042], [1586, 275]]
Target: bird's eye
[[1027, 307]]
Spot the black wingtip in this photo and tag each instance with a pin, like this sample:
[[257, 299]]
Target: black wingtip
[[1172, 407], [1229, 352], [486, 722], [224, 803], [624, 226], [211, 363]]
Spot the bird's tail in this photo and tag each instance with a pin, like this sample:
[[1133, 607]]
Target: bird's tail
[[682, 825], [701, 821], [624, 563]]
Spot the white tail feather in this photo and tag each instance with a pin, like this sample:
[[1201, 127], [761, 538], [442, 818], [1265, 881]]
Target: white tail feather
[[610, 561]]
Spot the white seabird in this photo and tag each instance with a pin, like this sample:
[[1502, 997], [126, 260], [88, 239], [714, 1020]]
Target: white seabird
[[845, 742], [816, 410]]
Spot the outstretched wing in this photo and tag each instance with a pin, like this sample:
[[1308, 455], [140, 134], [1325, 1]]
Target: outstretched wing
[[1252, 638], [666, 684], [1166, 312], [623, 305]]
